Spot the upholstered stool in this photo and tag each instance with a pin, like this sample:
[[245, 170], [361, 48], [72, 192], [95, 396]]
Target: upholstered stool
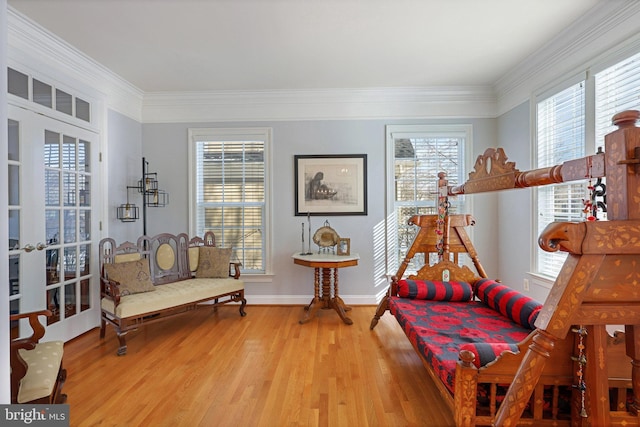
[[44, 364], [37, 374]]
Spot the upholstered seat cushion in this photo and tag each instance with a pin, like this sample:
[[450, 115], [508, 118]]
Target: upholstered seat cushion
[[43, 364], [171, 295], [439, 329]]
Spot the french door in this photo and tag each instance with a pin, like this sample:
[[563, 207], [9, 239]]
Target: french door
[[52, 232]]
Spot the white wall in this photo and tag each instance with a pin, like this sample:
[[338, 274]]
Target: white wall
[[124, 168], [515, 239], [165, 147]]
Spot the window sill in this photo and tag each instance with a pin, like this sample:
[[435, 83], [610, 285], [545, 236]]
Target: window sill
[[257, 278], [540, 280]]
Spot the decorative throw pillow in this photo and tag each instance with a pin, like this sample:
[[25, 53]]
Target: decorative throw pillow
[[213, 262], [133, 276], [435, 290], [510, 303], [487, 352]]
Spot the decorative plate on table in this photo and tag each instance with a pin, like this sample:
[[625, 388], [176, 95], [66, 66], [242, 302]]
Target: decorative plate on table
[[325, 237]]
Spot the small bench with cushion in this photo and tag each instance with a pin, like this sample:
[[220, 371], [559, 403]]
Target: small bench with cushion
[[163, 276], [37, 375]]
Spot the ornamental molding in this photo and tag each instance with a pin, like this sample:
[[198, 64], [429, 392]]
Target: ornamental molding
[[608, 31], [42, 54], [322, 104]]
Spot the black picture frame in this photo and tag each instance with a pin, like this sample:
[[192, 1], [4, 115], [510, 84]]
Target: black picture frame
[[330, 184]]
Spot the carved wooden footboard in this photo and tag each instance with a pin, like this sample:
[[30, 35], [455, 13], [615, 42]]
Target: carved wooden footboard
[[478, 392]]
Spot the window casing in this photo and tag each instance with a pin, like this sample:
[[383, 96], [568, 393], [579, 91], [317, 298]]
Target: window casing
[[229, 192], [566, 129], [416, 155], [560, 137]]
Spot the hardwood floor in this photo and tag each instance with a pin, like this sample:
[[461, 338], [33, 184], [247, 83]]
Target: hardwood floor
[[204, 369]]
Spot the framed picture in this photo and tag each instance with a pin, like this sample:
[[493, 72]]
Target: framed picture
[[330, 185], [344, 246]]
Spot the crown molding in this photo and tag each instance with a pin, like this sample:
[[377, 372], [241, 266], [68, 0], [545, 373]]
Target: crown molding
[[37, 49], [34, 47], [320, 104], [610, 26]]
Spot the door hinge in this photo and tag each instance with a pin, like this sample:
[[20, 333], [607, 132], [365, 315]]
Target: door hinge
[[100, 157]]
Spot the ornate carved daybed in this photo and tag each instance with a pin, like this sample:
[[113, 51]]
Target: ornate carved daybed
[[472, 332], [568, 370], [162, 276]]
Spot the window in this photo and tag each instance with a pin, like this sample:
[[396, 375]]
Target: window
[[566, 131], [228, 185], [18, 84], [418, 154], [561, 137], [617, 89]]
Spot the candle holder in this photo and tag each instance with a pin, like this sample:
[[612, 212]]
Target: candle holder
[[152, 196], [302, 252], [128, 212]]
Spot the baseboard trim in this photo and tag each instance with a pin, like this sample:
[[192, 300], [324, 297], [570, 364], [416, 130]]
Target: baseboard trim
[[305, 299]]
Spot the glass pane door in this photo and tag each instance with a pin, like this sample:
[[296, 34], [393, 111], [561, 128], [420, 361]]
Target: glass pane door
[[51, 170], [67, 185], [15, 166]]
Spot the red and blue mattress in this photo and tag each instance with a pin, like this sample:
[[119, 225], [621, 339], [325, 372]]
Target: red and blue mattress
[[440, 329]]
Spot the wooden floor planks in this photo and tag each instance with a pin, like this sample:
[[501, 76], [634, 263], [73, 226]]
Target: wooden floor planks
[[265, 369]]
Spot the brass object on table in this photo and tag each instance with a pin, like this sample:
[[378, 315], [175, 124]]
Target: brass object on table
[[326, 238]]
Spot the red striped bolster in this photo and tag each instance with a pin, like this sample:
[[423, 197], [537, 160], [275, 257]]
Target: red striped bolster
[[435, 290], [487, 352], [508, 302]]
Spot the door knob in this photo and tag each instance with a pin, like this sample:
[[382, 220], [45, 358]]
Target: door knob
[[29, 247]]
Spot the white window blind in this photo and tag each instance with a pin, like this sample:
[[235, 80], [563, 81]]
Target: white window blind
[[417, 161], [617, 89], [230, 197], [560, 137], [561, 133]]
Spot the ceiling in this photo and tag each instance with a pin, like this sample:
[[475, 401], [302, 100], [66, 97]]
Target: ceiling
[[256, 45]]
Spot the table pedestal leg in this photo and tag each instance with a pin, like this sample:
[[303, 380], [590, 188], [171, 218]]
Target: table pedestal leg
[[325, 299], [337, 303], [310, 310], [326, 288]]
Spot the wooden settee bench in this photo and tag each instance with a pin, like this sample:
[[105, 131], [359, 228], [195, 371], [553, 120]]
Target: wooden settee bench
[[37, 374], [162, 276]]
